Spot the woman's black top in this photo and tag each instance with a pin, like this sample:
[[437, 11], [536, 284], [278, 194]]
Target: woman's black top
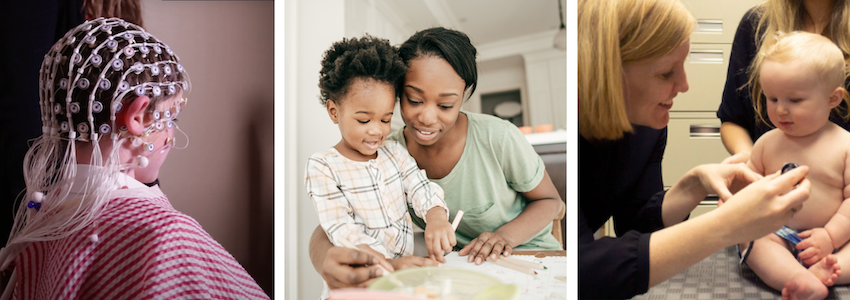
[[620, 178]]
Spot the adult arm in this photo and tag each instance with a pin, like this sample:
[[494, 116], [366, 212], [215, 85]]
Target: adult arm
[[631, 263], [755, 211], [544, 204], [736, 111], [343, 267], [525, 172], [737, 141]]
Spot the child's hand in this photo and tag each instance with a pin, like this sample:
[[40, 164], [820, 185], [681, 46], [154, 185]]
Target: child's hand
[[439, 234], [817, 244]]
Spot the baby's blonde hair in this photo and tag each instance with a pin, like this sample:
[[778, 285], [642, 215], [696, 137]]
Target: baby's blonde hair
[[610, 34], [811, 50]]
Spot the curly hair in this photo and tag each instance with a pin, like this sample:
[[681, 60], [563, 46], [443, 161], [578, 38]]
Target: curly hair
[[367, 57]]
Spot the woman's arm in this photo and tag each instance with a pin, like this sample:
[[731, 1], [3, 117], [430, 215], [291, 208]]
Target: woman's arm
[[343, 267], [695, 185], [758, 209], [544, 204], [736, 108], [737, 141]]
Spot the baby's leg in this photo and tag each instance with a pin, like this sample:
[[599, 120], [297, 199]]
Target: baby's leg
[[771, 260], [843, 256]]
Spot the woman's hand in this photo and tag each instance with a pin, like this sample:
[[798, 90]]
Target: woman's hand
[[765, 205], [486, 244], [724, 179], [817, 244], [439, 237], [720, 179], [412, 261], [344, 267]]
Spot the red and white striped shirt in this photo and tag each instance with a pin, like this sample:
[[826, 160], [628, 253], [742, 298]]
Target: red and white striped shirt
[[144, 249]]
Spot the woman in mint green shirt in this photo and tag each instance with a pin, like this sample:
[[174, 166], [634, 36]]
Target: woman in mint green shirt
[[484, 164]]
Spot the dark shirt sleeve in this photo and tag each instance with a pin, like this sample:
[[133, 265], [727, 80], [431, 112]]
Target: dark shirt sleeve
[[736, 105], [642, 211], [615, 268], [612, 268]]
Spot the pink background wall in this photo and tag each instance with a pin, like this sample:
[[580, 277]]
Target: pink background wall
[[223, 179]]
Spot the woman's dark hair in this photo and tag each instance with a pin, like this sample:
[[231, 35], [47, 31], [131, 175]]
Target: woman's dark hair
[[452, 45], [365, 58]]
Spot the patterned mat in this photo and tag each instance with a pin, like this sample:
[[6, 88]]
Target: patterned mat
[[720, 277]]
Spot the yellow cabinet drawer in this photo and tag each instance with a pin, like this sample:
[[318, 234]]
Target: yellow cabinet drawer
[[706, 70], [717, 20], [691, 141]]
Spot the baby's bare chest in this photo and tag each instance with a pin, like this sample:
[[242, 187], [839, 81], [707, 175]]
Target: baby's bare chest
[[826, 159]]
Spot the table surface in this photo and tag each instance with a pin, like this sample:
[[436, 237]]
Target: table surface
[[721, 277], [541, 252]]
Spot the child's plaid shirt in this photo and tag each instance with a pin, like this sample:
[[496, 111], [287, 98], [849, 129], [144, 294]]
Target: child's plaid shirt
[[366, 202]]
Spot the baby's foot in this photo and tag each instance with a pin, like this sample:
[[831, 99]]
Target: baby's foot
[[827, 270], [804, 285]]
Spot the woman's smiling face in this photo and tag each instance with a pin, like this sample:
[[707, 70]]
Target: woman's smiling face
[[431, 98], [649, 87]]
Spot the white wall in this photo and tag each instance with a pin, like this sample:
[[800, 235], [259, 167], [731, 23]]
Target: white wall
[[222, 178], [317, 24], [543, 84], [498, 75], [546, 79]]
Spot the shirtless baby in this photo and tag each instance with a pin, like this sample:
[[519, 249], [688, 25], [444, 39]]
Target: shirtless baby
[[802, 77]]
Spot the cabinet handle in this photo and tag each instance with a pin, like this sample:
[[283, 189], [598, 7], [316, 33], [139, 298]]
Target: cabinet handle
[[709, 26], [706, 56], [705, 131]]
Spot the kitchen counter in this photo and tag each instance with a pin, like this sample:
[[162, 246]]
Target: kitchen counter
[[553, 137]]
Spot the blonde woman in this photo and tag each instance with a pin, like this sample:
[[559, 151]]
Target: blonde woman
[[631, 66], [741, 126]]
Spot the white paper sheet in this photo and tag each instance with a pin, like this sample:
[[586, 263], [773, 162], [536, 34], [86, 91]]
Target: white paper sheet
[[548, 284]]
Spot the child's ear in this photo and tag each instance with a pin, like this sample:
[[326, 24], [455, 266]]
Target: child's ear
[[333, 110], [836, 97], [133, 116]]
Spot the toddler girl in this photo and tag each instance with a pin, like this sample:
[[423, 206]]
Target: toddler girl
[[361, 187]]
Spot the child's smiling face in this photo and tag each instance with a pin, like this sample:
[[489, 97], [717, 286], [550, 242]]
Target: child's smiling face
[[363, 115], [798, 102]]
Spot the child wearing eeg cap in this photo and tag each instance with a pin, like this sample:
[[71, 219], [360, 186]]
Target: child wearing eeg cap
[[88, 228]]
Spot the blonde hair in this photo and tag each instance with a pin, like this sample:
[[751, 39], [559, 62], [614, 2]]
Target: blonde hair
[[815, 52], [610, 34], [778, 16]]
